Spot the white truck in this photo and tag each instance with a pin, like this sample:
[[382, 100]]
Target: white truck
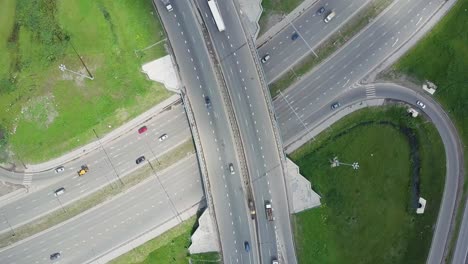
[[268, 211], [167, 4]]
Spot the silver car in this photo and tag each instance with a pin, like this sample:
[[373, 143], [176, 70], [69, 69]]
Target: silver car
[[163, 137], [59, 191], [59, 169]]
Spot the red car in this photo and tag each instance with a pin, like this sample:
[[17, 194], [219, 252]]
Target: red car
[[142, 129]]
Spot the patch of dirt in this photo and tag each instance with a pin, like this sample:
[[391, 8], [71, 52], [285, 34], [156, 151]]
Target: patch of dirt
[[40, 110], [122, 114], [391, 75], [6, 187]]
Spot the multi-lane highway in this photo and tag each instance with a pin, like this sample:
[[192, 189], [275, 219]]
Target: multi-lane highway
[[350, 64], [285, 52], [98, 231], [265, 168], [217, 142], [297, 109], [122, 152]]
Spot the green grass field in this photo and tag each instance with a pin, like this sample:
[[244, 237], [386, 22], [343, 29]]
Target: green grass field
[[442, 57], [366, 214], [46, 112], [169, 248]]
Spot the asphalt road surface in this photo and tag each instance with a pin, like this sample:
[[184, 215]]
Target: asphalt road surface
[[122, 152], [275, 238], [312, 31], [461, 249], [101, 229], [196, 70], [342, 71]]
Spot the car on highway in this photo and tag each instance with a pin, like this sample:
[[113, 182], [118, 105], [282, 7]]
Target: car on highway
[[83, 170], [59, 191], [274, 261], [59, 169], [335, 105], [207, 101], [320, 11], [163, 137], [231, 168], [294, 36], [140, 159], [329, 17], [247, 246], [421, 104], [55, 256], [142, 130], [265, 58]]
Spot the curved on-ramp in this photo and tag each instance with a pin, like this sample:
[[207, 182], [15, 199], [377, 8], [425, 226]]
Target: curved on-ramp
[[453, 153]]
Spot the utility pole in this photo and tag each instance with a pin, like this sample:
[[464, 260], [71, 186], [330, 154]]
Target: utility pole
[[105, 152], [8, 223], [165, 191], [61, 205]]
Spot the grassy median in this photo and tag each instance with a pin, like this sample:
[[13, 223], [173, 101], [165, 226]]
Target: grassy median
[[46, 112], [367, 215]]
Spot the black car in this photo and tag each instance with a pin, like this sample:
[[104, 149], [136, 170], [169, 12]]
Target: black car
[[207, 101], [320, 11], [247, 246], [335, 105], [140, 159], [55, 256], [294, 36]]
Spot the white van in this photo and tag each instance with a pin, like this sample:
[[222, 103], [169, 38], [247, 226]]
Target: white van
[[329, 17]]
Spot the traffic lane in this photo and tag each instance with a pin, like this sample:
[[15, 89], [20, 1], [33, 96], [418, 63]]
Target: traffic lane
[[238, 76], [228, 42], [260, 134], [203, 85], [170, 119], [461, 249], [101, 173], [100, 229], [454, 160], [373, 44], [233, 74], [312, 31], [324, 83], [224, 50]]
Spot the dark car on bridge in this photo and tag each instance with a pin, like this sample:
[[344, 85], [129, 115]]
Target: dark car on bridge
[[294, 36], [207, 102], [247, 246]]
